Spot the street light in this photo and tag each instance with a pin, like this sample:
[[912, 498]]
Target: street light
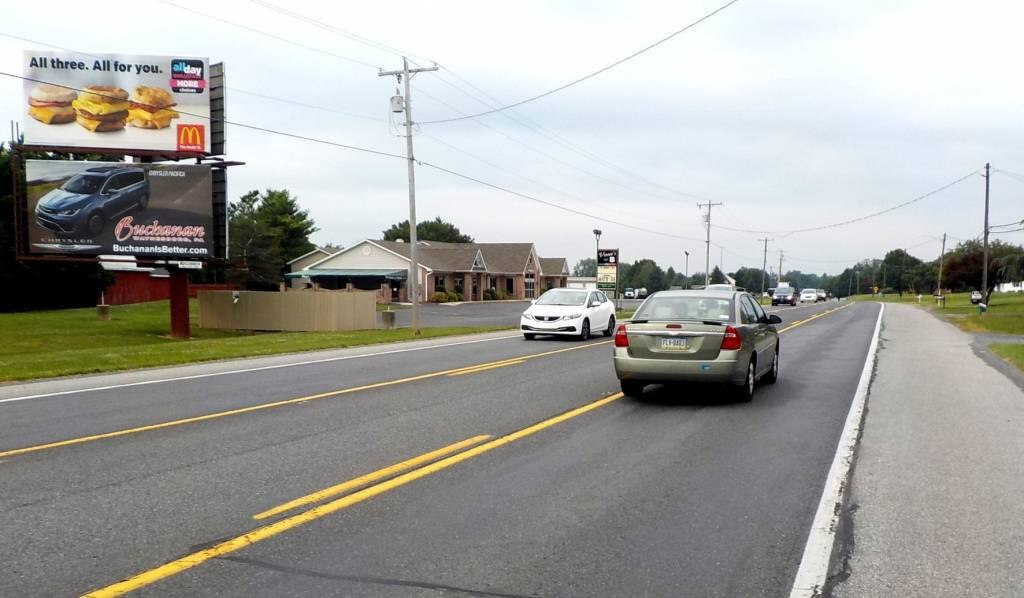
[[686, 278], [597, 258]]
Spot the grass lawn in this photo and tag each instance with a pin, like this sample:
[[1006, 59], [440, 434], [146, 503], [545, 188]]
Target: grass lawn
[[73, 341], [1014, 353], [1005, 314]]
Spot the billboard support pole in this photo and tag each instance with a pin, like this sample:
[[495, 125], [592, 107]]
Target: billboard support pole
[[179, 302]]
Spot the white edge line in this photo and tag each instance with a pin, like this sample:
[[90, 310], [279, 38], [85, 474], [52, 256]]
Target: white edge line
[[247, 370], [814, 564]]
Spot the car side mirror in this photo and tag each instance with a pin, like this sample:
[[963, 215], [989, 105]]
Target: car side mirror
[[774, 319], [533, 301]]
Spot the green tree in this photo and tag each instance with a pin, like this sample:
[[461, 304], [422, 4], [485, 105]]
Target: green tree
[[279, 211], [584, 267], [717, 277], [265, 232], [750, 279], [428, 230]]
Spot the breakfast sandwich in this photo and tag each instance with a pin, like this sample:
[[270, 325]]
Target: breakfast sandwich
[[51, 104], [101, 108], [151, 108]]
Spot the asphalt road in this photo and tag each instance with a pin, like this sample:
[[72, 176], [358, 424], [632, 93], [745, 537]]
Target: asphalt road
[[680, 493]]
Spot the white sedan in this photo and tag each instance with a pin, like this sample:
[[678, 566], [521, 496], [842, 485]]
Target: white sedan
[[809, 295], [569, 312]]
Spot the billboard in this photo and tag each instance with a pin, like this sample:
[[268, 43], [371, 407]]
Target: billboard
[[119, 208], [114, 101], [607, 269]]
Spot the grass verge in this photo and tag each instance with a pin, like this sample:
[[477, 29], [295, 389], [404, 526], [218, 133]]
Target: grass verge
[[1013, 353], [73, 341]]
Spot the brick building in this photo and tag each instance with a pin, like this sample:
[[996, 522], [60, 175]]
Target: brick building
[[465, 268]]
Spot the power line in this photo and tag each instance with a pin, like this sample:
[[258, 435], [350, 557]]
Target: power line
[[853, 220], [552, 204], [271, 35], [532, 125], [590, 75], [337, 30], [391, 155]]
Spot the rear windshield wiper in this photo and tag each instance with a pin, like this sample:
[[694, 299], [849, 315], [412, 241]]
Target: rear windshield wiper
[[639, 321]]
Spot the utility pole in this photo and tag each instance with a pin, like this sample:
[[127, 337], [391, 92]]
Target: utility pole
[[764, 265], [707, 240], [781, 254], [686, 279], [849, 286], [942, 256], [858, 282], [984, 253], [404, 76]]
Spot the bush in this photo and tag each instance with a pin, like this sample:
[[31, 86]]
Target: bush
[[453, 296], [489, 295], [500, 294], [439, 297]]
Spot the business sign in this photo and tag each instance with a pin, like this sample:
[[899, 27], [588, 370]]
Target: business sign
[[607, 269], [119, 208], [114, 101]]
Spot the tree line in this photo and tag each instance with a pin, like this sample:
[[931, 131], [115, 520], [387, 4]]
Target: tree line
[[896, 273]]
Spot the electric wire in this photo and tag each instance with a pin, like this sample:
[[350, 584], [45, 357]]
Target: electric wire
[[853, 220], [590, 75], [271, 35], [401, 157]]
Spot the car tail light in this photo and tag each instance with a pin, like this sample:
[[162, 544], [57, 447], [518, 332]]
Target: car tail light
[[731, 339], [621, 340]]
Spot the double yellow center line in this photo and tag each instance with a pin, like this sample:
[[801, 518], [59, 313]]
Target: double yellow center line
[[314, 397], [382, 480], [262, 533]]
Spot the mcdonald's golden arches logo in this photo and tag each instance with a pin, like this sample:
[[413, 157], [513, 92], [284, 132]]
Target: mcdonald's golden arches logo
[[191, 138]]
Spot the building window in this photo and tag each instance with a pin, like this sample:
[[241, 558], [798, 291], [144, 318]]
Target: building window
[[529, 286], [494, 283], [439, 283], [510, 286]]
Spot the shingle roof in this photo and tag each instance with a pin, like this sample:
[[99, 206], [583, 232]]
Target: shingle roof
[[500, 258], [553, 266]]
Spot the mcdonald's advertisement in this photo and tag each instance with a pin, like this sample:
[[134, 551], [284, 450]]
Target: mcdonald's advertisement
[[120, 208], [119, 102]]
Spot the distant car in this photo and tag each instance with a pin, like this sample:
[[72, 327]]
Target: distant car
[[808, 295], [569, 312], [976, 297], [784, 295], [822, 295], [641, 293], [629, 293], [86, 202], [698, 336]]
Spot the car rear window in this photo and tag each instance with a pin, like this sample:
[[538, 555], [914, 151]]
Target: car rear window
[[660, 307]]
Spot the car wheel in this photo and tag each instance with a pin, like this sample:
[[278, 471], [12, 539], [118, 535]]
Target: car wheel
[[611, 327], [773, 374], [95, 223], [745, 393], [585, 330], [632, 388], [529, 337], [144, 201]]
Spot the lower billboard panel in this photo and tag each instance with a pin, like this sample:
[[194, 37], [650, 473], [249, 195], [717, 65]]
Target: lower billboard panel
[[118, 208]]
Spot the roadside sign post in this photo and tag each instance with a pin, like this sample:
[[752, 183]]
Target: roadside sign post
[[179, 302]]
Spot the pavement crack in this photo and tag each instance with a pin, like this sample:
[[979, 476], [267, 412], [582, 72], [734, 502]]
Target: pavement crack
[[370, 579]]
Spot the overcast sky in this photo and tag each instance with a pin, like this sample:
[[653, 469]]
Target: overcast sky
[[792, 113]]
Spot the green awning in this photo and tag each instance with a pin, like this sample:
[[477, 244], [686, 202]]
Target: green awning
[[349, 273]]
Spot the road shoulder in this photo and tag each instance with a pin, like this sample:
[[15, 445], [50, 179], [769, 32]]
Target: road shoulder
[[934, 507]]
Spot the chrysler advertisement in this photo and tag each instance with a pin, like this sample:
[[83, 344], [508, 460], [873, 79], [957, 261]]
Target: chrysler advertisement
[[120, 208], [113, 101]]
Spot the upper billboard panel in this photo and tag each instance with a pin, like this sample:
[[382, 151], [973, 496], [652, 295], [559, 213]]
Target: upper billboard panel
[[114, 101]]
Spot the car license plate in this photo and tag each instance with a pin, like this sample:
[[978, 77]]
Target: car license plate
[[675, 344]]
